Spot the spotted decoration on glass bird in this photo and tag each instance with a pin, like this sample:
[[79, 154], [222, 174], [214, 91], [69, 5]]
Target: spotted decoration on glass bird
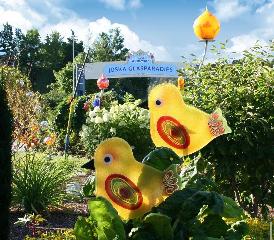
[[123, 192], [172, 132]]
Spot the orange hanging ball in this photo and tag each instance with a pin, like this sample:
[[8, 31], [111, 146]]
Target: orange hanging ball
[[103, 82], [206, 26]]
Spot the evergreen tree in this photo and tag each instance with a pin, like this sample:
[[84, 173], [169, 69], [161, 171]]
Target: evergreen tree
[[109, 47]]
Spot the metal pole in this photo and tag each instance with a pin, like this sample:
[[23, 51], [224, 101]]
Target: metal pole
[[73, 69], [270, 230]]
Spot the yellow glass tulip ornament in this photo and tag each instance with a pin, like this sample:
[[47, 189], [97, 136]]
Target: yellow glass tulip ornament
[[206, 26]]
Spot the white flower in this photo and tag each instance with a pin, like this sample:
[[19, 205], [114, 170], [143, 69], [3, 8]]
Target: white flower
[[113, 130], [46, 139], [44, 124], [144, 112], [29, 94], [122, 123], [21, 82], [105, 117], [112, 110], [92, 114], [38, 108], [98, 120], [96, 109]]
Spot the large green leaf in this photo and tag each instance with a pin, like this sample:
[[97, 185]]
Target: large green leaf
[[231, 209], [84, 229], [172, 205], [102, 224], [161, 225], [191, 207], [162, 158], [214, 226], [109, 224]]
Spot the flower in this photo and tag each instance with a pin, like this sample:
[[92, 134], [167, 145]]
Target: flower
[[106, 117], [96, 109], [44, 124], [98, 120], [113, 130], [29, 94], [49, 140], [21, 82], [92, 114]]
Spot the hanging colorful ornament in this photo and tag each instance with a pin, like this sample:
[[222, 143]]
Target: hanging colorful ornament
[[206, 26], [103, 82], [181, 127], [86, 105], [97, 101], [133, 188]]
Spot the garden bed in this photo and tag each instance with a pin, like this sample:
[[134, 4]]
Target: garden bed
[[57, 219]]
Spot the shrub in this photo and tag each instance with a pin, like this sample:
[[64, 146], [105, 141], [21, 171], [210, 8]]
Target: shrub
[[127, 121], [25, 106], [258, 229], [241, 163], [5, 162], [58, 118], [38, 183]]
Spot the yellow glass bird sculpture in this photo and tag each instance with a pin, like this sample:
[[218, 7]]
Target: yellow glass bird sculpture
[[181, 127], [132, 187]]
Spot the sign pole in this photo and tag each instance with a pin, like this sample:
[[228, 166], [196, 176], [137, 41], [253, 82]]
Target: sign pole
[[73, 69]]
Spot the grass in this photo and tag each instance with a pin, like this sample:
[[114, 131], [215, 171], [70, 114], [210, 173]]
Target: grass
[[39, 179], [72, 163]]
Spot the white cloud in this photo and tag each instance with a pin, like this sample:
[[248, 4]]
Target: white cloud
[[89, 31], [135, 4], [122, 4], [245, 42], [19, 14], [228, 9], [262, 34], [116, 4]]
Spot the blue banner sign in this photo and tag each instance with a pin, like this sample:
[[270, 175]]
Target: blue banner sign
[[168, 70], [140, 64]]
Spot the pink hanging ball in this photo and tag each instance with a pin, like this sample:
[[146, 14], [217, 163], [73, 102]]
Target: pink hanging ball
[[103, 82]]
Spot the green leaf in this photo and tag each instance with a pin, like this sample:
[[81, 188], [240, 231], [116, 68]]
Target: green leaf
[[84, 230], [231, 209], [161, 225], [102, 224], [214, 226], [172, 205], [109, 224], [162, 158], [89, 187], [191, 207]]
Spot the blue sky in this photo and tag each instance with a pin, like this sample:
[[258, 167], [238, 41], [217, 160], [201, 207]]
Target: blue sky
[[161, 27]]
